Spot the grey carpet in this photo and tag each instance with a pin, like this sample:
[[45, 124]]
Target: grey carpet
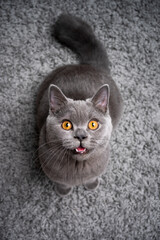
[[127, 204]]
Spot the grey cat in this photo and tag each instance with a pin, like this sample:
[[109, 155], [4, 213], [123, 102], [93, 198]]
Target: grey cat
[[78, 107]]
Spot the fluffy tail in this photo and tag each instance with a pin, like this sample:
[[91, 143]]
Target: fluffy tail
[[78, 36]]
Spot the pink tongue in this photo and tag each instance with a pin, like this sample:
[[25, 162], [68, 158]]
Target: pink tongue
[[80, 149]]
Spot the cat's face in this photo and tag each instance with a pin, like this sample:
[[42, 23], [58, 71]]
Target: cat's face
[[82, 128]]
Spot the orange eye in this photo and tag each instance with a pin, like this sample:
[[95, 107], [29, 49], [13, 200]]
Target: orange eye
[[93, 125], [66, 125]]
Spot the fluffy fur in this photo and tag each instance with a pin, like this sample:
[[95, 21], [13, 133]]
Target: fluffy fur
[[78, 93]]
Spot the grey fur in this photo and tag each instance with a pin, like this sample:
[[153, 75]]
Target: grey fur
[[78, 93]]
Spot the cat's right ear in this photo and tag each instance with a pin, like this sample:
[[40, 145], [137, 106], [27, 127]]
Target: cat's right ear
[[56, 98]]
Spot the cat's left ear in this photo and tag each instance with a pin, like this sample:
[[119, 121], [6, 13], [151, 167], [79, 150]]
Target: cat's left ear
[[56, 98], [101, 99]]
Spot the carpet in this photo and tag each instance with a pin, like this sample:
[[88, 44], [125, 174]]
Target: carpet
[[126, 206]]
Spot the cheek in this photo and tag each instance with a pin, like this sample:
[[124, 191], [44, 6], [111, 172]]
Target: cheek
[[108, 127], [53, 132], [102, 133], [68, 139]]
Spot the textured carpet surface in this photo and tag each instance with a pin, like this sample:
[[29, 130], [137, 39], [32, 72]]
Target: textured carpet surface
[[127, 204]]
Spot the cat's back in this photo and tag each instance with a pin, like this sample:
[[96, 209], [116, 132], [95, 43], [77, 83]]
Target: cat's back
[[78, 82]]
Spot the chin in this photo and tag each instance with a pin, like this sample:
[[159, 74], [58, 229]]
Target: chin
[[82, 156]]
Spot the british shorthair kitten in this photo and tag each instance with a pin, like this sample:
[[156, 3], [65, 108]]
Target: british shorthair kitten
[[78, 107]]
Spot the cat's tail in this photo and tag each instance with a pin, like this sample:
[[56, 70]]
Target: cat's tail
[[78, 36]]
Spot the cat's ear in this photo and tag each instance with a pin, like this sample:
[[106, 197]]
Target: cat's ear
[[101, 99], [56, 98]]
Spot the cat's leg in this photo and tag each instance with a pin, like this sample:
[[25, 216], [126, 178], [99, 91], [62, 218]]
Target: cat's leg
[[63, 190], [92, 184]]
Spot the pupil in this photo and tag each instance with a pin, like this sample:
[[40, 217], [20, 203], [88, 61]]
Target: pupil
[[67, 125], [93, 124]]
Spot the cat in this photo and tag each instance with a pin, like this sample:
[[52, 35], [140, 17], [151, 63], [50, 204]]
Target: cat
[[78, 108]]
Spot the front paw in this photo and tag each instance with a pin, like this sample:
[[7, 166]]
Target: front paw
[[92, 185], [63, 190]]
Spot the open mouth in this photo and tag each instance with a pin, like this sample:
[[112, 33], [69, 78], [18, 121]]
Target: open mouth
[[80, 150]]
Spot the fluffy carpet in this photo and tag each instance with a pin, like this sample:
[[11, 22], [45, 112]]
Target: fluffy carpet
[[127, 204]]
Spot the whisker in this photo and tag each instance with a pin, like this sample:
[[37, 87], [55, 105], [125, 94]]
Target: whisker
[[43, 145], [61, 154], [48, 159], [42, 154], [67, 173], [39, 173], [53, 152]]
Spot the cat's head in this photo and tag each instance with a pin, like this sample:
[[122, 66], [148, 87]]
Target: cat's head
[[82, 128]]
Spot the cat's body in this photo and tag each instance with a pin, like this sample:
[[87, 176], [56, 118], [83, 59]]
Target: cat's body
[[77, 96]]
